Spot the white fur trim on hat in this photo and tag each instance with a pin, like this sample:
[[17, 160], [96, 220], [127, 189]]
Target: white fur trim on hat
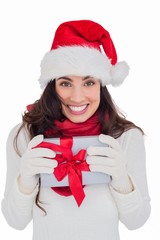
[[119, 72], [81, 61]]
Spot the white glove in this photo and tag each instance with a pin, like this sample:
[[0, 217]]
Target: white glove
[[33, 162], [110, 160]]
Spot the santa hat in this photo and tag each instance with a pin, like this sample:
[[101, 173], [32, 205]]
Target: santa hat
[[83, 48]]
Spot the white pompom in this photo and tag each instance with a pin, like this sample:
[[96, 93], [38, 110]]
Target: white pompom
[[119, 72]]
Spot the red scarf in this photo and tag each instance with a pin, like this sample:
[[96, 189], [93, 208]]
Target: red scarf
[[70, 129]]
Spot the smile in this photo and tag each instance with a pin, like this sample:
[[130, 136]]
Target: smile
[[78, 109]]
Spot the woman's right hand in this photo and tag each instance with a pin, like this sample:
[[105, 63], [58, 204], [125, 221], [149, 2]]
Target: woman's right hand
[[33, 162]]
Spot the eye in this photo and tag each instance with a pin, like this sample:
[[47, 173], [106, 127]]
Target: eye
[[65, 84], [89, 83]]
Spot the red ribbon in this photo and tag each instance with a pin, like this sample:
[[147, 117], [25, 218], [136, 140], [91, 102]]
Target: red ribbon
[[69, 164]]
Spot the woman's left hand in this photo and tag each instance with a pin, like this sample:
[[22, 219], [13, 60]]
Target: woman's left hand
[[110, 160]]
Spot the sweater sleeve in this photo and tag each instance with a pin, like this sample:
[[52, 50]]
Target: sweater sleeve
[[16, 206], [134, 208]]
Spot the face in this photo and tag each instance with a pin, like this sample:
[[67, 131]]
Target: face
[[80, 97]]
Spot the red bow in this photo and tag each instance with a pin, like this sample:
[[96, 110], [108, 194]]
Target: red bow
[[69, 164]]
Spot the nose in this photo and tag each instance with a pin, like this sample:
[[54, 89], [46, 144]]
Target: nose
[[77, 95]]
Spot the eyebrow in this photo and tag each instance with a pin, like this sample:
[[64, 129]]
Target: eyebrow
[[69, 79]]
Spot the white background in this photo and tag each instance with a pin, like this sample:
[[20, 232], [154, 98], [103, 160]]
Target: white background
[[26, 33]]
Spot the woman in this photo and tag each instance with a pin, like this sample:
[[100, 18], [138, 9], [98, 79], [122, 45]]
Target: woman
[[76, 102]]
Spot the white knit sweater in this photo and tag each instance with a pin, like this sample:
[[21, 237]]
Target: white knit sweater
[[98, 216]]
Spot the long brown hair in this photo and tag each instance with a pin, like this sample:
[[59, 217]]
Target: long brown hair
[[44, 111]]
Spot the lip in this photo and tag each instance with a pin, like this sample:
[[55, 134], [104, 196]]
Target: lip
[[78, 110]]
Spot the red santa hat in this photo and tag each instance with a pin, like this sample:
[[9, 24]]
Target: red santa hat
[[83, 48]]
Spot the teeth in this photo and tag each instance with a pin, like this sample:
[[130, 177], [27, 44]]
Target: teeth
[[77, 109]]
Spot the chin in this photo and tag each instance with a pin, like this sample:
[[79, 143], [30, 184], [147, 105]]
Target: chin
[[78, 119]]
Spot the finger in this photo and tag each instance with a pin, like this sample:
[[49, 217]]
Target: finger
[[99, 168], [41, 152], [35, 141], [43, 170], [101, 151], [95, 160], [110, 141], [44, 162]]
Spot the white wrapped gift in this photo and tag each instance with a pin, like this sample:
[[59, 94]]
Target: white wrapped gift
[[79, 143]]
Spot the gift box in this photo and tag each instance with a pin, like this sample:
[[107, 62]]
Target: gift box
[[79, 143], [72, 172]]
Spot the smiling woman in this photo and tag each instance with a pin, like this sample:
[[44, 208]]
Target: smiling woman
[[80, 97], [76, 102]]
